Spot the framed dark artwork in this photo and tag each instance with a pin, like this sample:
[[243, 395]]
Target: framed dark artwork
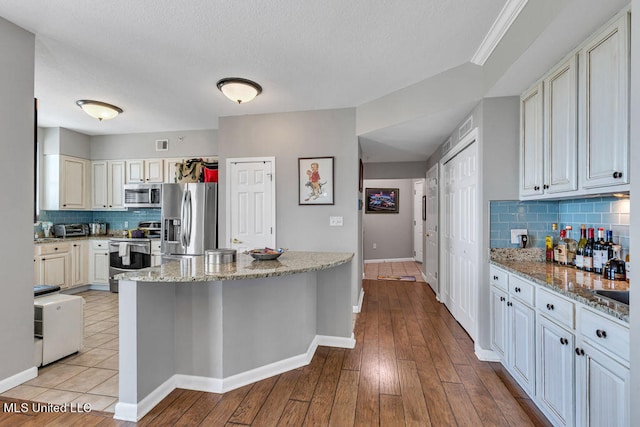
[[382, 200], [361, 176], [315, 181], [424, 208]]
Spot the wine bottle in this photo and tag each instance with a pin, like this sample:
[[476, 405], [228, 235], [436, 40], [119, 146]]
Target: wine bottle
[[550, 243], [580, 249], [560, 251], [610, 251], [572, 246], [588, 252], [599, 252]]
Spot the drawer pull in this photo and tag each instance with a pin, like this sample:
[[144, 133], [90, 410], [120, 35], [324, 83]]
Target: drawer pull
[[495, 277], [579, 351], [517, 289], [549, 306], [601, 333]]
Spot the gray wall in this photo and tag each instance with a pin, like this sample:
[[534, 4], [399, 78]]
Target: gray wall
[[287, 136], [67, 142], [634, 228], [395, 170], [143, 145], [16, 199], [392, 233]]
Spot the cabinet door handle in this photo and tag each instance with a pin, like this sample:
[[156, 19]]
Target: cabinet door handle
[[55, 249], [564, 341], [536, 188], [549, 306], [509, 304], [495, 277], [517, 289], [546, 187], [617, 175], [601, 333], [579, 351], [501, 298]]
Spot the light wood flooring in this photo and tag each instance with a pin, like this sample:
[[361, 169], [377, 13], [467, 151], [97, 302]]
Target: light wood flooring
[[396, 268], [412, 365]]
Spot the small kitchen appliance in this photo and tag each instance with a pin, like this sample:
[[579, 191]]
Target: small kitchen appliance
[[71, 230], [97, 228]]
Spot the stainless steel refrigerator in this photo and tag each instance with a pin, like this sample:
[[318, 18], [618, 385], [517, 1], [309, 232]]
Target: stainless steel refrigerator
[[189, 218]]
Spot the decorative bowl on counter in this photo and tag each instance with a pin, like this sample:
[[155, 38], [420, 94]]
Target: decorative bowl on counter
[[265, 254]]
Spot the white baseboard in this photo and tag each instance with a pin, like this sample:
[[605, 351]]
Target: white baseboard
[[17, 379], [486, 355], [369, 261], [134, 412], [100, 287], [358, 308]]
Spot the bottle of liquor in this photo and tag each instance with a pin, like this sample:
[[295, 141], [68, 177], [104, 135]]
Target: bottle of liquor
[[550, 242], [610, 249], [572, 246], [600, 251], [560, 251], [580, 249], [587, 263], [554, 241]]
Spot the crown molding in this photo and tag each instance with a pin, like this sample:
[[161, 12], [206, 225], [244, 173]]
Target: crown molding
[[503, 22]]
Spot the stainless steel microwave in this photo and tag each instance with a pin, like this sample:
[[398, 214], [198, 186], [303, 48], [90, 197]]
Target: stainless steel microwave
[[143, 195]]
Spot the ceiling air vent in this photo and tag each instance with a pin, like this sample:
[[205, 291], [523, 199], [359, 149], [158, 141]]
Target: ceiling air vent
[[162, 144], [446, 146], [465, 128]]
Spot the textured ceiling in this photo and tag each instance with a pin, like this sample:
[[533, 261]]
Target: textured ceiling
[[159, 60]]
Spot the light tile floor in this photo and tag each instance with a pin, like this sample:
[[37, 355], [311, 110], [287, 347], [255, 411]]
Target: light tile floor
[[91, 375]]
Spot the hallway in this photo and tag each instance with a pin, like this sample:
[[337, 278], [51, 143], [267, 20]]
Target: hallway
[[412, 365]]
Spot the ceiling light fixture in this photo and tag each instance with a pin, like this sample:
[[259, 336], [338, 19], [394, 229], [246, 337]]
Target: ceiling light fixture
[[239, 90], [99, 110]]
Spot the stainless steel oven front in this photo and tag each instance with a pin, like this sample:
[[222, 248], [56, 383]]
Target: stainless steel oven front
[[126, 255]]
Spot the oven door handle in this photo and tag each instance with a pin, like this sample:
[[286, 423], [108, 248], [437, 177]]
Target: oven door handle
[[190, 216]]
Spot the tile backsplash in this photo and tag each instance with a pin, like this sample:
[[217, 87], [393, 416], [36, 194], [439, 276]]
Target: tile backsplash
[[537, 217], [114, 219]]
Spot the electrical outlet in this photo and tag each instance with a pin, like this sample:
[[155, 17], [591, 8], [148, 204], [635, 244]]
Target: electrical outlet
[[516, 233], [375, 246], [126, 224]]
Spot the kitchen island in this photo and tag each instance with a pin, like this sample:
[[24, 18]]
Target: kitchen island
[[186, 325]]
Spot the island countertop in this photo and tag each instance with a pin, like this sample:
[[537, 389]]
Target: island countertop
[[193, 268]]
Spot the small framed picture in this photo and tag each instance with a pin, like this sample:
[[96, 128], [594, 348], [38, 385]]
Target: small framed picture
[[382, 200], [315, 181]]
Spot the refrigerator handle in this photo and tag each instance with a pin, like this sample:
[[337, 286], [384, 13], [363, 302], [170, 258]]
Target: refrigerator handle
[[183, 217], [190, 216]]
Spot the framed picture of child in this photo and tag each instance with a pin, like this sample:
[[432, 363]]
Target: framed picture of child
[[315, 181]]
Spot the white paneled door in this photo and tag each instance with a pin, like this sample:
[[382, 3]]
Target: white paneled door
[[431, 230], [418, 192], [460, 237], [252, 205]]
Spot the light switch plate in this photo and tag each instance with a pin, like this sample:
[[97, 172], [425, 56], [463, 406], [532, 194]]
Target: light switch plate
[[516, 233], [335, 221]]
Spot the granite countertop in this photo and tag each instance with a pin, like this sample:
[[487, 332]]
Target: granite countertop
[[42, 240], [192, 268], [571, 282]]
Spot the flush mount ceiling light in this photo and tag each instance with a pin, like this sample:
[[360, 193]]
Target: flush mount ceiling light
[[99, 110], [239, 90]]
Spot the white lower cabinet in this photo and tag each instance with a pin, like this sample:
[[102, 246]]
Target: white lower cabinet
[[53, 265], [99, 262], [156, 255], [79, 263], [572, 359], [556, 375]]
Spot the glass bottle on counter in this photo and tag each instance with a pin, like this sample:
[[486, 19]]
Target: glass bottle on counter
[[600, 251], [572, 246], [550, 243], [614, 268], [587, 262], [580, 249], [610, 245], [560, 251]]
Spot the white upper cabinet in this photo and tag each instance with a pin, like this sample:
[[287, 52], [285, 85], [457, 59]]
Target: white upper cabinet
[[66, 183], [604, 75], [139, 171], [531, 142], [170, 169], [107, 179], [574, 122], [560, 139]]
